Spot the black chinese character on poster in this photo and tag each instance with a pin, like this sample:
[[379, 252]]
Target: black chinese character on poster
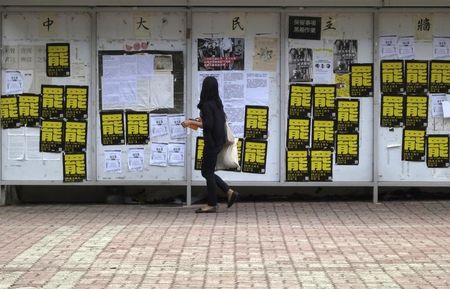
[[301, 27], [58, 59], [141, 24], [300, 65]]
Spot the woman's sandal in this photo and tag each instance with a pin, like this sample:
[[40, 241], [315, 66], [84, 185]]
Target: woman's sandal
[[232, 198], [207, 209]]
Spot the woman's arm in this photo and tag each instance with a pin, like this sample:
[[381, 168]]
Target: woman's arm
[[193, 123]]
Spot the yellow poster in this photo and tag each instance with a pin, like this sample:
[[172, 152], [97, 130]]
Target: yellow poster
[[392, 80], [413, 148], [324, 106], [438, 151], [298, 134], [137, 127], [58, 59], [347, 149], [440, 76], [416, 111], [256, 122], [75, 136], [297, 166], [51, 137], [74, 167], [76, 102], [255, 153], [347, 115], [29, 109], [52, 101], [10, 111], [416, 76], [321, 169], [361, 80], [323, 134], [112, 128], [392, 110], [300, 100], [342, 85], [199, 147]]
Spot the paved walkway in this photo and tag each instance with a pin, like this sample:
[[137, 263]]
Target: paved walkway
[[253, 245]]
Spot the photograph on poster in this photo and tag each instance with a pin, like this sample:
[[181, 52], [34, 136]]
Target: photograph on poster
[[300, 64], [345, 53], [220, 53]]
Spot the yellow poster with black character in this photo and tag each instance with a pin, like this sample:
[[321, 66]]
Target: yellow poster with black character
[[392, 110], [76, 104], [52, 101], [440, 76], [112, 128], [199, 147], [347, 115], [342, 85], [323, 134], [256, 122], [74, 165], [255, 153], [29, 109], [347, 149], [416, 76], [298, 134], [413, 145], [321, 166], [324, 106], [416, 111], [52, 136], [10, 111], [361, 80], [300, 100], [438, 151], [392, 79], [137, 127], [58, 59], [75, 136], [297, 166]]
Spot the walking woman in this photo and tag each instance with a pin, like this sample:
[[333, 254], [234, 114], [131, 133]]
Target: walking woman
[[212, 120]]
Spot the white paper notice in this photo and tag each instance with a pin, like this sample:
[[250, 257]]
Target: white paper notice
[[388, 47], [32, 152], [51, 156], [257, 88], [113, 163], [446, 108], [161, 91], [441, 47], [406, 47], [26, 57], [136, 159], [158, 125], [14, 82], [145, 64], [176, 154], [159, 154], [175, 127], [16, 147], [436, 104], [323, 66]]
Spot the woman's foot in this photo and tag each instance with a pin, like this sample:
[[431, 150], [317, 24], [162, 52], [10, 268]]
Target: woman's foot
[[207, 209], [232, 197]]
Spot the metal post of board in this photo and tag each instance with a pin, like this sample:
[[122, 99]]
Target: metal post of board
[[92, 113], [283, 111], [3, 196], [188, 105], [376, 104]]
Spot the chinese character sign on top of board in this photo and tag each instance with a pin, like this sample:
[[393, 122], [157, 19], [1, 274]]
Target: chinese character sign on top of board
[[301, 27], [58, 60]]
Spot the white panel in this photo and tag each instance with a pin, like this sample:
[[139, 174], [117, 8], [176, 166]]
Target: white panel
[[24, 29], [115, 30], [416, 3], [391, 167], [214, 25], [350, 26]]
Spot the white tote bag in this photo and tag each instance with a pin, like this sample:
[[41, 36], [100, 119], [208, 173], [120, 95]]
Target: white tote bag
[[229, 134], [227, 159]]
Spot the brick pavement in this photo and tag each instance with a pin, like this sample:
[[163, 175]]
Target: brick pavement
[[253, 245]]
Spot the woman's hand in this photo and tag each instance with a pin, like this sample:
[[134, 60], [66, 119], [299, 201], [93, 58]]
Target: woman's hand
[[186, 123]]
